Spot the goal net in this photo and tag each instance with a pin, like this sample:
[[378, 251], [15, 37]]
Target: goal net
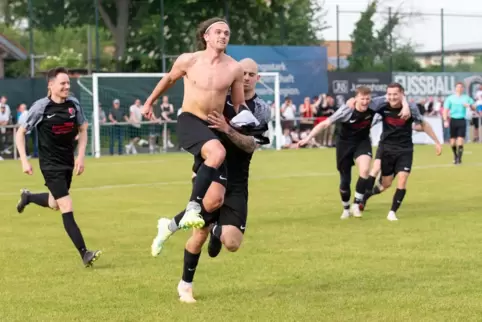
[[100, 92]]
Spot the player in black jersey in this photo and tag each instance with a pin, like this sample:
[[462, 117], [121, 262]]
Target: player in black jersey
[[353, 146], [58, 119], [228, 214], [396, 145]]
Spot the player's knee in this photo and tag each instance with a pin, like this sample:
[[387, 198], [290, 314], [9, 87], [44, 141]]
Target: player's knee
[[52, 203], [65, 204], [213, 153], [232, 245], [213, 203], [195, 243], [232, 237], [364, 172]]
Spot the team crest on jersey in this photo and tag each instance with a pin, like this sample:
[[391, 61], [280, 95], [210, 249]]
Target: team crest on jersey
[[71, 111]]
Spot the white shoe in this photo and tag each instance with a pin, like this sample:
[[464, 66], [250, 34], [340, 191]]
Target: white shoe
[[391, 216], [345, 214], [170, 145], [185, 292], [355, 210], [163, 234], [192, 218]]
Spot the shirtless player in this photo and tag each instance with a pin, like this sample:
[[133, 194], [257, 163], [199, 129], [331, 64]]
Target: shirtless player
[[208, 75]]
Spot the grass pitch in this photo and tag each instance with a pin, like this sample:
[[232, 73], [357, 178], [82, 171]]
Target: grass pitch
[[299, 261]]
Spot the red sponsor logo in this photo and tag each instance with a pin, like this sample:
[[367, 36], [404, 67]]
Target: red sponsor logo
[[63, 128], [395, 121], [71, 111], [361, 125]]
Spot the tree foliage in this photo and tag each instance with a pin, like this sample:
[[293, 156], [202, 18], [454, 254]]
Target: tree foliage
[[135, 25], [383, 49]]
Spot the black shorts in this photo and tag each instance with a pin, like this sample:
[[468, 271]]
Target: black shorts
[[58, 182], [475, 122], [458, 128], [393, 162], [347, 152], [193, 133], [134, 132], [234, 210]]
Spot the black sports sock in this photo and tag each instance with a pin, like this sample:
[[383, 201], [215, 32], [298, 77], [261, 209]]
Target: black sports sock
[[204, 178], [360, 189], [398, 198], [370, 183], [454, 150], [74, 232], [345, 198], [217, 231], [190, 265], [460, 151], [41, 199]]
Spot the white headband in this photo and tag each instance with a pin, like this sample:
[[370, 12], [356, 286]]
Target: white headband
[[207, 29]]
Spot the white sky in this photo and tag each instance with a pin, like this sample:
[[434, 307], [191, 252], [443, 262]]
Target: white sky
[[425, 31]]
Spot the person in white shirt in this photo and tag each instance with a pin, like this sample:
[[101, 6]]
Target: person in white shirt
[[288, 113], [5, 117], [135, 118]]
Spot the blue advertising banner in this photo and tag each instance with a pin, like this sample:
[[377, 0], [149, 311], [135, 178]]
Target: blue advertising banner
[[303, 69]]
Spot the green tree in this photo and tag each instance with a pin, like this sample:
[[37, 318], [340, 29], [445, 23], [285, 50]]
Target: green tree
[[378, 50]]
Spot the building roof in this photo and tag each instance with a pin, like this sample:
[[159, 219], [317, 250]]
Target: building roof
[[453, 49], [13, 50]]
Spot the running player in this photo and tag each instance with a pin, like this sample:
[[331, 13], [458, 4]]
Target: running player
[[396, 144], [230, 218], [353, 144], [58, 119], [208, 74], [456, 106]]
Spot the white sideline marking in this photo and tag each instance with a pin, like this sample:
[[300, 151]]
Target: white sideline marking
[[257, 178]]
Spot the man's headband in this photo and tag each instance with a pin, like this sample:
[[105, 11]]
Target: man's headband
[[207, 29]]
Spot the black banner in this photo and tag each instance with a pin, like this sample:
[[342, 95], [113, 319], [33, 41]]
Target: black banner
[[342, 85]]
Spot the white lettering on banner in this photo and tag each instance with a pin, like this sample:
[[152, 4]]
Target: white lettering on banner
[[417, 137], [283, 79], [426, 85]]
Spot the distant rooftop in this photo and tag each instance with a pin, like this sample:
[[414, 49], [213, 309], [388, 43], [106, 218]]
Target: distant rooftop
[[13, 50]]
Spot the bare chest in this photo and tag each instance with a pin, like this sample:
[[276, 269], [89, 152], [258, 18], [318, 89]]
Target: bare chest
[[208, 77]]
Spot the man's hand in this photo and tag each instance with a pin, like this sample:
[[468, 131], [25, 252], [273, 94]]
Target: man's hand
[[350, 103], [446, 124], [147, 110], [79, 166], [405, 113], [303, 142], [438, 149], [27, 167], [218, 122]]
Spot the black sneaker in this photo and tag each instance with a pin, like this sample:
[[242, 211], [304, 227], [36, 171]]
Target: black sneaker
[[23, 202], [90, 257], [214, 246]]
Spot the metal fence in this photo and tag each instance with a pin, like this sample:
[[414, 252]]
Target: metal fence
[[440, 37]]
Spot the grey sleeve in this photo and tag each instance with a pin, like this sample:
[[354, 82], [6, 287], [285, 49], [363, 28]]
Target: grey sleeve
[[80, 111], [35, 114], [342, 114], [377, 103], [416, 116], [262, 111]]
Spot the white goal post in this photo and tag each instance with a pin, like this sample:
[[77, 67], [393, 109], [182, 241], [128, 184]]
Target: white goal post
[[273, 88]]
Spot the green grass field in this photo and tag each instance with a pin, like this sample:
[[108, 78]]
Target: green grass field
[[299, 261]]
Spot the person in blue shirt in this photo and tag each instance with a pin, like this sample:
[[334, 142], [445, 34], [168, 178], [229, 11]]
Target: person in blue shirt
[[455, 110]]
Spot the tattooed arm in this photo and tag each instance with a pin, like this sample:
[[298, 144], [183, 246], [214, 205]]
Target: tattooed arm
[[244, 142]]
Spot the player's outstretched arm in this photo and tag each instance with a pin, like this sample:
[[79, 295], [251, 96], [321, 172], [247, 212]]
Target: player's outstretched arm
[[317, 129], [178, 70], [237, 88], [427, 128]]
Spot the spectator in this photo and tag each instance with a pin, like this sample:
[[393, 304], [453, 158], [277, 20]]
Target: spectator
[[116, 116], [288, 112], [135, 118], [308, 111], [154, 129], [327, 109], [477, 113], [167, 109], [5, 118], [102, 118], [21, 119], [286, 141]]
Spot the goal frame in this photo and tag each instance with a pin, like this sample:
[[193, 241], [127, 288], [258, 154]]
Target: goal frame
[[95, 103]]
